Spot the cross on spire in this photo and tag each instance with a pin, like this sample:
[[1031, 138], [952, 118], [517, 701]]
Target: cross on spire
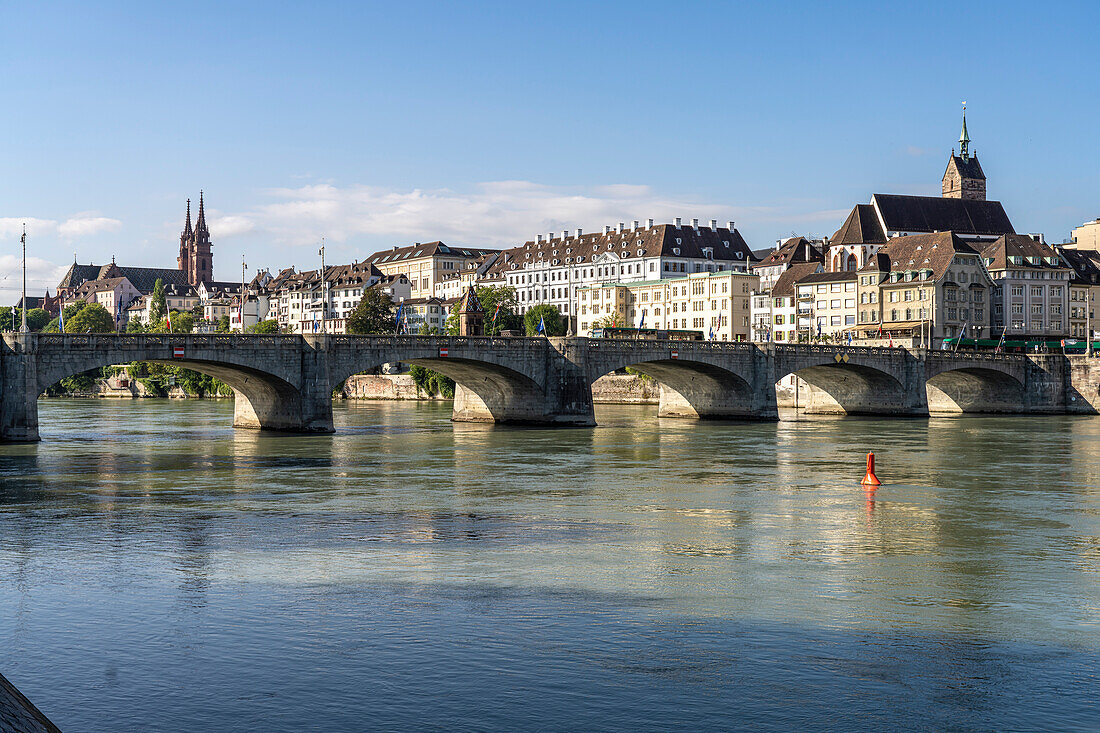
[[964, 138], [187, 225]]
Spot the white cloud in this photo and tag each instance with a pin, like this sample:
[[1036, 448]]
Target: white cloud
[[494, 213], [79, 225], [41, 275]]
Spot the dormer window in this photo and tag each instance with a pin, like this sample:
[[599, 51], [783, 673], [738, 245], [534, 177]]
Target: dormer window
[[676, 250], [678, 240], [725, 243]]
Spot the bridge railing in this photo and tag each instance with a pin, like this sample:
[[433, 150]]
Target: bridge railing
[[150, 340], [683, 346]]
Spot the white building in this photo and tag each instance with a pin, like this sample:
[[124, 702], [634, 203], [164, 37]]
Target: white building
[[551, 269]]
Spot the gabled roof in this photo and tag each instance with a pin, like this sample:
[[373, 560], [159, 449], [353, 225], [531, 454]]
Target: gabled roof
[[920, 252], [1020, 245], [936, 214], [661, 240], [429, 249], [784, 286], [795, 249], [828, 277], [861, 227]]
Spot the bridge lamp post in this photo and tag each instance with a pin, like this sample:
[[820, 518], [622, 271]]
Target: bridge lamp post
[[324, 285]]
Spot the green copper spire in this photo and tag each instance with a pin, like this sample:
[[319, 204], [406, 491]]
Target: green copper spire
[[964, 138]]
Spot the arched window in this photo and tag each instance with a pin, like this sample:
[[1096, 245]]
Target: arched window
[[851, 264]]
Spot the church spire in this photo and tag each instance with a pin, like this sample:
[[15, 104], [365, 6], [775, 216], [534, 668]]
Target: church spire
[[964, 138], [200, 223], [187, 226]]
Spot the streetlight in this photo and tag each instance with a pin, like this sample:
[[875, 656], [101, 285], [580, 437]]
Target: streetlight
[[244, 270], [324, 285]]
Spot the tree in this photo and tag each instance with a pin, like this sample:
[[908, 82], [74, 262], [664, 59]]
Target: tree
[[134, 326], [490, 297], [264, 327], [37, 318], [93, 318], [222, 325], [374, 314], [158, 306], [555, 323]]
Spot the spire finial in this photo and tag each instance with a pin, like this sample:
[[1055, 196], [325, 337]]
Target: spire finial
[[187, 224], [964, 138], [200, 223]]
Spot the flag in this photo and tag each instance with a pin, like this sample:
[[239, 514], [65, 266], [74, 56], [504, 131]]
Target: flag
[[60, 319], [641, 323], [496, 312], [879, 330], [1001, 343], [849, 338], [542, 326], [400, 312], [711, 333], [169, 321], [962, 335]]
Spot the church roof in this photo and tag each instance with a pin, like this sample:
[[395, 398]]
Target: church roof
[[470, 302], [936, 214], [861, 227], [142, 278]]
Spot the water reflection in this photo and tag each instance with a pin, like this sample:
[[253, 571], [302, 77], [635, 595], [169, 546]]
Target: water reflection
[[654, 573]]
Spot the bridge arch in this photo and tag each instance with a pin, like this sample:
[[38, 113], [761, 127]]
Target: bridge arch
[[497, 380], [266, 393], [970, 388], [702, 380], [846, 380]]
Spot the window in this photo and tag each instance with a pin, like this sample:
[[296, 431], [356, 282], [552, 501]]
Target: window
[[1017, 289], [1018, 308], [908, 295], [849, 302], [1036, 291], [894, 296]]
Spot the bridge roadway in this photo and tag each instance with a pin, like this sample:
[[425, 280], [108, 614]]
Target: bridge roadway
[[286, 382]]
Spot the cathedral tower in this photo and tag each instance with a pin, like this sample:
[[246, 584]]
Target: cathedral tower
[[196, 258], [964, 178]]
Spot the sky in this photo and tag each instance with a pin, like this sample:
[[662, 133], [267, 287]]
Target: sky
[[381, 124]]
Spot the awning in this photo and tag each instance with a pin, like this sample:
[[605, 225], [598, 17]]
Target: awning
[[894, 326]]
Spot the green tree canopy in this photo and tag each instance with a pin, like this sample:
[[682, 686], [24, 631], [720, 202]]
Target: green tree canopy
[[37, 318], [264, 327], [222, 325], [158, 306], [374, 314], [556, 324], [93, 318]]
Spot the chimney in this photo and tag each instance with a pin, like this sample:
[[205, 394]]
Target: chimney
[[677, 222], [695, 224], [578, 233], [636, 223], [538, 239], [606, 229], [714, 224], [730, 223], [622, 226], [395, 248], [649, 224], [564, 234]]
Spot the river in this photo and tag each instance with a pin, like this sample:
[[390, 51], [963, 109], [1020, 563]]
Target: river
[[160, 571]]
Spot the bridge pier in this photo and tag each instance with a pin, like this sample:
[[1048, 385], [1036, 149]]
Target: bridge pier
[[18, 389]]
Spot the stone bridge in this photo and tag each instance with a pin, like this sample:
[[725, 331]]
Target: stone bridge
[[287, 382]]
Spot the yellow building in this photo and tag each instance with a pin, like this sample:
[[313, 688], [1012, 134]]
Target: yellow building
[[715, 304]]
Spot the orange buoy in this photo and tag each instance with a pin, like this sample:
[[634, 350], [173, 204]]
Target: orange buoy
[[870, 479]]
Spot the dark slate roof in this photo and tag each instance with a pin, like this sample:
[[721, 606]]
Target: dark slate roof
[[861, 227], [932, 214], [997, 252], [828, 277], [795, 249], [920, 252], [18, 714], [142, 278], [429, 249], [969, 168], [1085, 264], [784, 286], [661, 240]]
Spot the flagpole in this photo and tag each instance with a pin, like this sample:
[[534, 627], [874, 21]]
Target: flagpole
[[23, 328]]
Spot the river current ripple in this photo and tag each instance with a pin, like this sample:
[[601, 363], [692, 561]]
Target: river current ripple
[[160, 571]]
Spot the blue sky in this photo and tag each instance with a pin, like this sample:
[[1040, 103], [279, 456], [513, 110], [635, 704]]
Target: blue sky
[[484, 123]]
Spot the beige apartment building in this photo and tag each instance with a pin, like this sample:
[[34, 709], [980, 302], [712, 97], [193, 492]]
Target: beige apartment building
[[426, 264], [716, 304], [923, 288], [1087, 236]]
